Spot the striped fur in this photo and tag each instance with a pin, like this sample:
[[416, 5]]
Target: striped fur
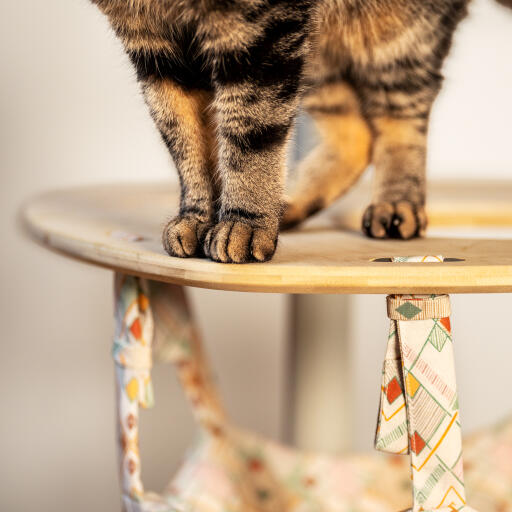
[[223, 80]]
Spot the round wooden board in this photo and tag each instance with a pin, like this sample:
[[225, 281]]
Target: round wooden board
[[119, 226]]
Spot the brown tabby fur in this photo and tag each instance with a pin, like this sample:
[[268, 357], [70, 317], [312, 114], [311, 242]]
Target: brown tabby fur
[[224, 78]]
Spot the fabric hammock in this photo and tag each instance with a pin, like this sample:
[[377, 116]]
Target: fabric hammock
[[232, 470]]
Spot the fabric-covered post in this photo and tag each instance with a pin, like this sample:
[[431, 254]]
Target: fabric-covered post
[[419, 407]]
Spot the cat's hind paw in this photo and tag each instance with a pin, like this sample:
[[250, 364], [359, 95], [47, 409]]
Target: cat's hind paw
[[401, 219], [235, 241], [183, 236]]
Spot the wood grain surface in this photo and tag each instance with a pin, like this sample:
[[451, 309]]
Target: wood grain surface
[[118, 226]]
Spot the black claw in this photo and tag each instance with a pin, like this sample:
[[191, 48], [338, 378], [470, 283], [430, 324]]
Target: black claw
[[394, 231]]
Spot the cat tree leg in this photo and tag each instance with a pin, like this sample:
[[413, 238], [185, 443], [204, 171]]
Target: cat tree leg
[[419, 412], [320, 380]]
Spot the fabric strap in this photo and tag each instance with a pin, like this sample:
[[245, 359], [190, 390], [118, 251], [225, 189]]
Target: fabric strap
[[132, 355], [419, 406], [151, 315]]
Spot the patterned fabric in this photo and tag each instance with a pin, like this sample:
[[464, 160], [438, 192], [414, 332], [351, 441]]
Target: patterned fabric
[[419, 408], [415, 307], [132, 355], [372, 483], [234, 471], [419, 411], [418, 259]]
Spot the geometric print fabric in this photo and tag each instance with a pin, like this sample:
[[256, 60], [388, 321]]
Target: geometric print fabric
[[419, 409]]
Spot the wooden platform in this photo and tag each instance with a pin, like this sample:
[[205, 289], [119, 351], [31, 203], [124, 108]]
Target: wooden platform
[[119, 227]]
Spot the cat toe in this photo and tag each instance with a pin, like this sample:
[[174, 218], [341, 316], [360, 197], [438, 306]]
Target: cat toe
[[233, 241], [402, 220], [182, 237]]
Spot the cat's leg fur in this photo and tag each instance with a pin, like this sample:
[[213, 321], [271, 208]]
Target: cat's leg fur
[[392, 56], [341, 156], [179, 95], [183, 118], [397, 89], [397, 209], [253, 130], [256, 100], [178, 90], [250, 55]]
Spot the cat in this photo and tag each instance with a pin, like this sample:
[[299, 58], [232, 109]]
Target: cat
[[224, 79]]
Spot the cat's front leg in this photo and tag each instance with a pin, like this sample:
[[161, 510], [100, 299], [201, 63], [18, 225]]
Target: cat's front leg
[[256, 99], [177, 87], [253, 130], [182, 116]]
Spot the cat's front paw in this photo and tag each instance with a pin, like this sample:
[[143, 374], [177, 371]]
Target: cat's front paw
[[236, 241], [401, 219], [183, 236]]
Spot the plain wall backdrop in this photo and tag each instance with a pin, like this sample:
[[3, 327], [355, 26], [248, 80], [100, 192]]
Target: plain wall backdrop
[[71, 113]]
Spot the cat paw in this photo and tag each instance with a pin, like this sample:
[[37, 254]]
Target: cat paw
[[183, 236], [402, 219], [233, 241]]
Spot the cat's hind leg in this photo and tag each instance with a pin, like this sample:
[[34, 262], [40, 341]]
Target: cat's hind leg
[[341, 156], [398, 88]]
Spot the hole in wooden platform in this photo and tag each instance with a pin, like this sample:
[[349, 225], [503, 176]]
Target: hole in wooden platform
[[390, 260]]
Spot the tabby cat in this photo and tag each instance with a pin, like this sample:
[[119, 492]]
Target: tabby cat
[[224, 79]]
